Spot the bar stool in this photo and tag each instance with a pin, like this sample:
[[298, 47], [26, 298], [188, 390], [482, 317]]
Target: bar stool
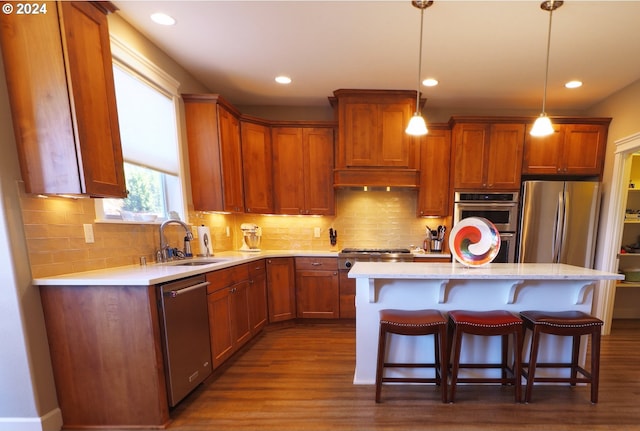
[[486, 323], [414, 323], [569, 324]]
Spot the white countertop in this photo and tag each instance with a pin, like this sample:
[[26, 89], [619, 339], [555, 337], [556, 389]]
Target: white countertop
[[154, 273], [452, 271]]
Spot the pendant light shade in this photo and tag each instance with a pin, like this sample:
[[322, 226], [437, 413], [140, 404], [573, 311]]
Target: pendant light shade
[[417, 126], [542, 126]]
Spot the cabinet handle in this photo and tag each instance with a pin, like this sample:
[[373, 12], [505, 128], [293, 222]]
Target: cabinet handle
[[316, 264]]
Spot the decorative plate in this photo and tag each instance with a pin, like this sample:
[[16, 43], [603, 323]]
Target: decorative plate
[[474, 241]]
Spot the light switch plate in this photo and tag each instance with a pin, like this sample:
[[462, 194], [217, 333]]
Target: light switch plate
[[88, 233], [316, 232]]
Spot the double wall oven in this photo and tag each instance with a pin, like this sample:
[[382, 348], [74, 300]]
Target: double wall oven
[[500, 208]]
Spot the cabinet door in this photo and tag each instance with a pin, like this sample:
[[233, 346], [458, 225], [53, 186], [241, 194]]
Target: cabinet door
[[584, 149], [220, 325], [256, 167], [281, 289], [317, 294], [240, 326], [543, 154], [258, 315], [288, 170], [204, 154], [504, 163], [361, 134], [87, 46], [393, 142], [470, 154], [318, 148], [231, 158], [435, 154]]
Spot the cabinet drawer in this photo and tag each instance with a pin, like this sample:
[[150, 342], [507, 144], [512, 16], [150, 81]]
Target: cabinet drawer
[[317, 263], [256, 268], [227, 277]]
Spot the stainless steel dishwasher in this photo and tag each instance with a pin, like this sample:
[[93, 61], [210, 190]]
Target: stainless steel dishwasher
[[185, 335]]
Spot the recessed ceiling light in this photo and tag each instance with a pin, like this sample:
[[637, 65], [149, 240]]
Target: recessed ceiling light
[[162, 19], [283, 79], [573, 84], [430, 82]]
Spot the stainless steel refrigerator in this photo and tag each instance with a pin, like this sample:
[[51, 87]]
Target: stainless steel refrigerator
[[558, 222]]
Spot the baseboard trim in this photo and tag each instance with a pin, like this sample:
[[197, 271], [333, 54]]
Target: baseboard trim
[[52, 421]]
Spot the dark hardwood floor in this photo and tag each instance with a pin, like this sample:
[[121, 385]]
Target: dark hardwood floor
[[300, 378]]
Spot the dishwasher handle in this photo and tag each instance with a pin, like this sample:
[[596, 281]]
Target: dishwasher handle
[[177, 292]]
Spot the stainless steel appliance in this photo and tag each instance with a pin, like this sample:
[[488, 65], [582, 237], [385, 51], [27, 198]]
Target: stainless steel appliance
[[348, 256], [500, 208], [558, 222], [185, 335]]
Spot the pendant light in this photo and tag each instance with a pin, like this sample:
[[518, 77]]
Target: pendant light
[[542, 126], [417, 125]]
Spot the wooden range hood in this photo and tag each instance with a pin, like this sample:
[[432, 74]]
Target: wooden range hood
[[372, 148], [376, 177]]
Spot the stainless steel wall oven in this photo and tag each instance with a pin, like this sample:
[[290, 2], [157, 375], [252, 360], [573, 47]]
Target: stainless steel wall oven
[[500, 208]]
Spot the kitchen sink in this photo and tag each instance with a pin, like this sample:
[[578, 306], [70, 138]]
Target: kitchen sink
[[198, 262]]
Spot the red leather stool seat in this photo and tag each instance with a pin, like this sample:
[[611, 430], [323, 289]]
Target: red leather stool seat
[[414, 323], [570, 323], [486, 323]]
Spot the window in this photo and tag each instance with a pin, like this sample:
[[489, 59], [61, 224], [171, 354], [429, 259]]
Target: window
[[146, 102]]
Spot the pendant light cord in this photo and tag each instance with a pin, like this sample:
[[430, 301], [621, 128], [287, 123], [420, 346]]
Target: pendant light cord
[[419, 63], [546, 75]]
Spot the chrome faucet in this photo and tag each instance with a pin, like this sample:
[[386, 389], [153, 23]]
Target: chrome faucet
[[164, 245]]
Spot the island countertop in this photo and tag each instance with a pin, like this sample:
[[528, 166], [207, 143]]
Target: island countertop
[[495, 271]]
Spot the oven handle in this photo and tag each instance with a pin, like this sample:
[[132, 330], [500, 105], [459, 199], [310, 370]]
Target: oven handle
[[486, 204], [174, 293]]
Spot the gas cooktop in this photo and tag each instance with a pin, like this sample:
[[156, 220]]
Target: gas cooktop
[[374, 250]]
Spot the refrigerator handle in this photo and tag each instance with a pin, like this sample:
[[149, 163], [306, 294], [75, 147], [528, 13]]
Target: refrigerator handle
[[558, 226]]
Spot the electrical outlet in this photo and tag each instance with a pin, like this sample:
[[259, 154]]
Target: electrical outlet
[[194, 232], [316, 232], [228, 232], [88, 233]]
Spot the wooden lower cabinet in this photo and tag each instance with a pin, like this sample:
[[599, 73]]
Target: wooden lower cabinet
[[237, 308], [257, 296], [317, 288], [281, 289], [347, 296], [106, 353]]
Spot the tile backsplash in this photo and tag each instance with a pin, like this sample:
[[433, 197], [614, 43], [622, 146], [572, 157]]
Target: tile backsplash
[[56, 242]]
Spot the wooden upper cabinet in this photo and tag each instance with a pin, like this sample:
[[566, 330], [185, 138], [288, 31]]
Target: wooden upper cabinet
[[303, 170], [576, 148], [257, 167], [213, 139], [487, 155], [231, 157], [434, 150], [60, 80], [371, 128]]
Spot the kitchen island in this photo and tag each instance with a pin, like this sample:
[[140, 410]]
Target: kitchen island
[[450, 286]]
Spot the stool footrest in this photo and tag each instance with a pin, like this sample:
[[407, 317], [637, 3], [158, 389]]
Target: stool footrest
[[411, 380], [408, 365]]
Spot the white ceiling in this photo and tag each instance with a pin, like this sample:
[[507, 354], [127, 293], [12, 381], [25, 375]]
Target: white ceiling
[[486, 54]]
